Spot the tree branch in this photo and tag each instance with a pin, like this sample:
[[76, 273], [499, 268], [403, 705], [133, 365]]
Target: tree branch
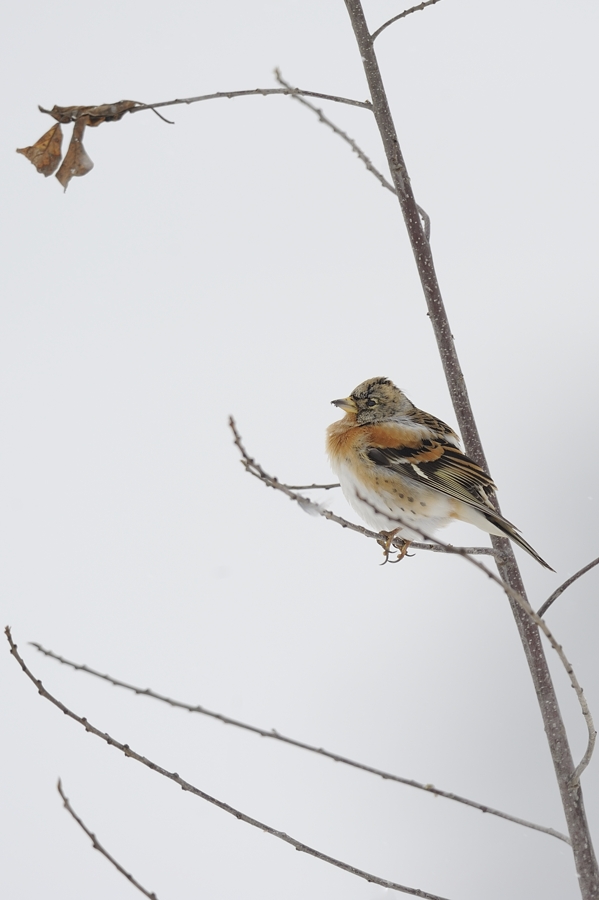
[[71, 113], [316, 509], [187, 786], [312, 487], [543, 609], [263, 92], [402, 15], [296, 95], [357, 149], [525, 606], [98, 846], [275, 735], [570, 791], [516, 597]]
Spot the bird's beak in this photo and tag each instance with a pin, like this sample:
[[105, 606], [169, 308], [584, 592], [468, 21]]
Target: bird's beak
[[347, 405]]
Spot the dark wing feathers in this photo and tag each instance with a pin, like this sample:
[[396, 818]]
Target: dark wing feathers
[[439, 466], [445, 468]]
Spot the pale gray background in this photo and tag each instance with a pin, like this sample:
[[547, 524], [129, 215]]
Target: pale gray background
[[243, 261]]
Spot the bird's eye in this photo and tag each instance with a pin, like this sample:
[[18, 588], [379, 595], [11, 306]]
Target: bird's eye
[[371, 402]]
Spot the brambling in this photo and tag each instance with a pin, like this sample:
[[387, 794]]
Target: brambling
[[399, 467]]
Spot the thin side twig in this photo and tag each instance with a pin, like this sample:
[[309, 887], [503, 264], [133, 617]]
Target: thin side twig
[[296, 95], [312, 487], [264, 92], [402, 15], [192, 789], [98, 846], [560, 590], [255, 469], [229, 95], [276, 735]]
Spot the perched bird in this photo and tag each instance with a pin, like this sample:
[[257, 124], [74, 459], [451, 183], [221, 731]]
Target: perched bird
[[401, 467]]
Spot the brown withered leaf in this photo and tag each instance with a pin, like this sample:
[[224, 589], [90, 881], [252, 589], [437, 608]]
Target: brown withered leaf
[[45, 154], [76, 161], [107, 112]]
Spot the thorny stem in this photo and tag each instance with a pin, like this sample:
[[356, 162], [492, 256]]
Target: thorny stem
[[570, 790]]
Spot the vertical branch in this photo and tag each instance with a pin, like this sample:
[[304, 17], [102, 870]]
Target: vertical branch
[[571, 794], [420, 246]]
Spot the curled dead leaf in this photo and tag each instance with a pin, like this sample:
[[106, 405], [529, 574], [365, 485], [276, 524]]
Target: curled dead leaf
[[76, 161], [107, 112], [45, 154]]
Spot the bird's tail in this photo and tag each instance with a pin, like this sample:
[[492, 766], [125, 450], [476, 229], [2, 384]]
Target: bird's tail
[[505, 528]]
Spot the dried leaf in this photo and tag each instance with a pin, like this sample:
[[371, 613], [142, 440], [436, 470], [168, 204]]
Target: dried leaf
[[45, 154], [108, 112], [76, 161]]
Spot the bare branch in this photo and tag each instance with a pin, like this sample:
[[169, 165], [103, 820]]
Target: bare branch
[[75, 111], [255, 469], [523, 603], [98, 846], [160, 116], [543, 609], [263, 92], [357, 149], [557, 736], [275, 735], [402, 15], [296, 95], [187, 786], [312, 487]]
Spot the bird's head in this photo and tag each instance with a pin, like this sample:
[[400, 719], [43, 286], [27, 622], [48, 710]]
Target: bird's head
[[375, 400]]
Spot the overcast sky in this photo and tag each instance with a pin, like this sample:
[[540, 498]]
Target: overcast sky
[[243, 261]]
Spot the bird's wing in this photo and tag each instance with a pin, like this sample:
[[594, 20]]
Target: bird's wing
[[438, 429], [440, 466], [444, 468]]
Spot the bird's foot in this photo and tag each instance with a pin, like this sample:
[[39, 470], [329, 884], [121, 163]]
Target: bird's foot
[[391, 542]]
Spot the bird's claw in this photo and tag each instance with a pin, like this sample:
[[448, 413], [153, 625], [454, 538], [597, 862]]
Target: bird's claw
[[391, 542]]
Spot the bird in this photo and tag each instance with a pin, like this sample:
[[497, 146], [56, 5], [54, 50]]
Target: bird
[[403, 470]]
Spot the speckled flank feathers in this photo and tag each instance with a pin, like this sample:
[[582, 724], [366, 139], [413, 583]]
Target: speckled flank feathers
[[400, 467]]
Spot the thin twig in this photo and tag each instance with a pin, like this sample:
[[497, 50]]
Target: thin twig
[[296, 95], [187, 786], [275, 735], [264, 92], [534, 617], [229, 95], [543, 609], [160, 116], [402, 15], [98, 846], [255, 469], [312, 487]]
